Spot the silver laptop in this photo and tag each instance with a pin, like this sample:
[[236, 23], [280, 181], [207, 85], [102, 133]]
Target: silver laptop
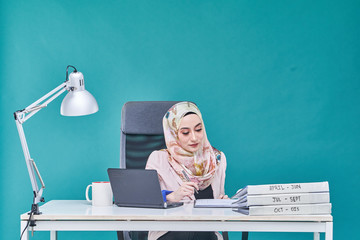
[[137, 188]]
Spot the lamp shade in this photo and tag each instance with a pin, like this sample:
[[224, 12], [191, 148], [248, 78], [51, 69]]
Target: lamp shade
[[78, 101]]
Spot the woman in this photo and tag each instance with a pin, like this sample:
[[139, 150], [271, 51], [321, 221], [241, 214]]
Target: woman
[[189, 156]]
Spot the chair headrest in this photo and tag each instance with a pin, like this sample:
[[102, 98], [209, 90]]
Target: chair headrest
[[144, 117]]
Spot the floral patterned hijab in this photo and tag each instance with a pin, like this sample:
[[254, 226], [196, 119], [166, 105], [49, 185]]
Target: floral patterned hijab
[[200, 166]]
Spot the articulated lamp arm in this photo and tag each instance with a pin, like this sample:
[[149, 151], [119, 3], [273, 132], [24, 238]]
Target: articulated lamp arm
[[20, 117]]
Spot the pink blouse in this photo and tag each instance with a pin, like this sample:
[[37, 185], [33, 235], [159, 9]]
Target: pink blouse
[[169, 180]]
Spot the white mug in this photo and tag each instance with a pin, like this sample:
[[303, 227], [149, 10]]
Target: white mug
[[101, 194]]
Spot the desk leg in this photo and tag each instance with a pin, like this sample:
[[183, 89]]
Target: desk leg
[[329, 231], [53, 235], [26, 233], [316, 236]]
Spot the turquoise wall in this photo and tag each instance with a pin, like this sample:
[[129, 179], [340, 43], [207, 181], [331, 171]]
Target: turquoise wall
[[277, 82]]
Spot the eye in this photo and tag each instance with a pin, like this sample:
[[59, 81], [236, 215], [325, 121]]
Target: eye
[[199, 130], [185, 133]]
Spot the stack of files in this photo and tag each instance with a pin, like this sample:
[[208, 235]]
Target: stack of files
[[276, 199], [283, 199]]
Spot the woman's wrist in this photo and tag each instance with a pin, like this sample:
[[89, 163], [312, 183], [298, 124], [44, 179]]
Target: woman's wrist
[[170, 197]]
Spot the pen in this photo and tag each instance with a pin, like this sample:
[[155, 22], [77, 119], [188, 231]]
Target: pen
[[188, 179]]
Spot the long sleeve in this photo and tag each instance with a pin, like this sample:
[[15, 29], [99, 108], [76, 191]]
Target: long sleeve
[[169, 180]]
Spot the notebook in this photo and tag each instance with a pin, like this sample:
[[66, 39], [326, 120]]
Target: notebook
[[137, 188]]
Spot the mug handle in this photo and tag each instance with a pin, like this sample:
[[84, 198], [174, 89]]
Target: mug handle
[[87, 193]]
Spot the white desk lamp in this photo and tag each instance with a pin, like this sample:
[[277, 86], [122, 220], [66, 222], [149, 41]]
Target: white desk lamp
[[77, 102]]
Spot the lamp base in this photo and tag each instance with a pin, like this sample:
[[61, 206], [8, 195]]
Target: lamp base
[[35, 210]]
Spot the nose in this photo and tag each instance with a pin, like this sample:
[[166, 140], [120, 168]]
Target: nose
[[193, 136]]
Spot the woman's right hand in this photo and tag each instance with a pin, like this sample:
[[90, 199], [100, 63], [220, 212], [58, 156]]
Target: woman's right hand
[[186, 189]]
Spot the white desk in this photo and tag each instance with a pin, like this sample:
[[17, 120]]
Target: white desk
[[79, 215]]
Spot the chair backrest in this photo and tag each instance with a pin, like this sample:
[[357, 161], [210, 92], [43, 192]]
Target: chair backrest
[[141, 131]]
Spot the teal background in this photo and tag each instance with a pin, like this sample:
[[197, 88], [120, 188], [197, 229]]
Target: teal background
[[277, 83]]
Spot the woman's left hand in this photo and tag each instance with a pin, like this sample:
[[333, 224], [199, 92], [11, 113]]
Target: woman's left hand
[[223, 196]]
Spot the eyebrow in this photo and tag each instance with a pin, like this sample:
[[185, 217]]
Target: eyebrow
[[189, 128]]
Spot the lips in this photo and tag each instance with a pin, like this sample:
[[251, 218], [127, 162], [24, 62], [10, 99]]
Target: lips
[[194, 145]]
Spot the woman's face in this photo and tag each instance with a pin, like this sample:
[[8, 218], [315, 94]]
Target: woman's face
[[190, 133]]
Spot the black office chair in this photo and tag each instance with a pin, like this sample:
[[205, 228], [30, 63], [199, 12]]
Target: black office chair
[[141, 134]]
